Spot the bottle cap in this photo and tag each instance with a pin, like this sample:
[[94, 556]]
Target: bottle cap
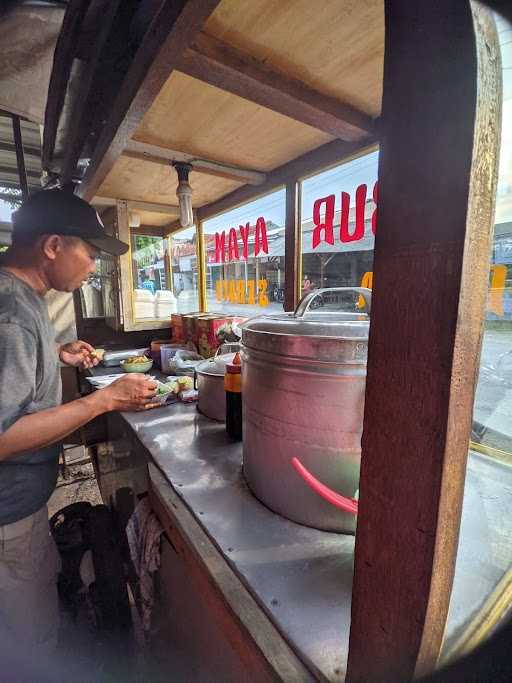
[[235, 368]]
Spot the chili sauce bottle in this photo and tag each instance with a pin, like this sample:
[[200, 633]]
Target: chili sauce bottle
[[233, 388]]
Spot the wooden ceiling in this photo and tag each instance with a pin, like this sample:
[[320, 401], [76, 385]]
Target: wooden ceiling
[[211, 123], [336, 46], [231, 98]]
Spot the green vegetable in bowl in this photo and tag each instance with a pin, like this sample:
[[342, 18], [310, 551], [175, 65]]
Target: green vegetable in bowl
[[163, 389]]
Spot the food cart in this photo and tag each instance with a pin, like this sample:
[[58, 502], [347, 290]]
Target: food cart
[[346, 144]]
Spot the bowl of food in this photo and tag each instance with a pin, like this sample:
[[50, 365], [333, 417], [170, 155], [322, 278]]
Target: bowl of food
[[137, 364]]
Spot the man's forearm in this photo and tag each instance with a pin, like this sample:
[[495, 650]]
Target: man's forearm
[[49, 426]]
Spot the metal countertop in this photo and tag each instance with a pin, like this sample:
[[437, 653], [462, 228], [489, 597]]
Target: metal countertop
[[303, 577]]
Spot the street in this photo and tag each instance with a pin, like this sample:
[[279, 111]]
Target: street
[[493, 400]]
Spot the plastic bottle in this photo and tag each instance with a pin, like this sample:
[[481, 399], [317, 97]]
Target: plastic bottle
[[233, 388]]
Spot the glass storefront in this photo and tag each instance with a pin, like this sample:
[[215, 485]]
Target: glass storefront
[[338, 224], [244, 252], [184, 270], [164, 274]]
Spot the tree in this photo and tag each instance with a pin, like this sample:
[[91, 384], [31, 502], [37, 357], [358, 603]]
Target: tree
[[11, 196]]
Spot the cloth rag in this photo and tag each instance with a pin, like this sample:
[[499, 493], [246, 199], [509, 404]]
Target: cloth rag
[[143, 531]]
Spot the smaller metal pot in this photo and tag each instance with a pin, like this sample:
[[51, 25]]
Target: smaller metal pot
[[209, 381]]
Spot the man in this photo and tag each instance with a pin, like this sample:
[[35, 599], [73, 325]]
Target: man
[[306, 285], [56, 239], [148, 284]]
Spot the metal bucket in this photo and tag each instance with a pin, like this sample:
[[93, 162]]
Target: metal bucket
[[303, 384]]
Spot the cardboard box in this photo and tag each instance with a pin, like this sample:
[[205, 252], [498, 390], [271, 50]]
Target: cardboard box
[[213, 331], [190, 326], [177, 332]]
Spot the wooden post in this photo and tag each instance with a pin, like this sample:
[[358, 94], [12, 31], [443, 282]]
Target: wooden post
[[292, 238], [201, 266], [437, 185]]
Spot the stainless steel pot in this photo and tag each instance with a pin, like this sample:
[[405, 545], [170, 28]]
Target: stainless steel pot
[[303, 383], [209, 381]]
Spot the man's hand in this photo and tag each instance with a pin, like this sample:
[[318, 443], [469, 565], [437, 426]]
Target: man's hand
[[131, 392], [78, 354]]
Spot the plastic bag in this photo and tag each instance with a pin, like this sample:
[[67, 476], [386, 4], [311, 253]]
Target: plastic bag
[[168, 359], [187, 362]]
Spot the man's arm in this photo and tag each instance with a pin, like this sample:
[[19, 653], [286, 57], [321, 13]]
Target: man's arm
[[31, 432]]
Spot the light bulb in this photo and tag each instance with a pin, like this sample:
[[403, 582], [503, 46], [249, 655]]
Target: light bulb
[[134, 219], [184, 194]]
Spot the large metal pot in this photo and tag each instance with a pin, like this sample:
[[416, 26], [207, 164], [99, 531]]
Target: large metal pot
[[303, 383], [209, 381]]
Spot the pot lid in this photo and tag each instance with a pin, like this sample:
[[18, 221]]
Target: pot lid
[[343, 326], [217, 365], [311, 333]]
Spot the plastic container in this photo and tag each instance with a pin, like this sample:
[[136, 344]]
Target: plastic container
[[144, 304], [156, 345], [165, 304]]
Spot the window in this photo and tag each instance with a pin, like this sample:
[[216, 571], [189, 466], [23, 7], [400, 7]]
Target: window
[[244, 251], [93, 291], [338, 223], [164, 274], [184, 271], [484, 557]]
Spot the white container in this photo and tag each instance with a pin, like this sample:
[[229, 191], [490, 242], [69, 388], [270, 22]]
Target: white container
[[144, 304], [165, 304]]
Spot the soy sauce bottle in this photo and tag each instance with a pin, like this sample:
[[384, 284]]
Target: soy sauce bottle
[[233, 388]]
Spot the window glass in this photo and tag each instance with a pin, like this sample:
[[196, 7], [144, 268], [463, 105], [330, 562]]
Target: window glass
[[483, 575], [184, 272], [244, 251], [164, 274], [338, 223], [92, 292]]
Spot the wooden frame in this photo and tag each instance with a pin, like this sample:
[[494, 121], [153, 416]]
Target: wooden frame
[[130, 324], [210, 60], [173, 27], [430, 286], [292, 249]]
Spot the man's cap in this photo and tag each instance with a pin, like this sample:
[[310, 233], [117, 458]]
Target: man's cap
[[60, 212]]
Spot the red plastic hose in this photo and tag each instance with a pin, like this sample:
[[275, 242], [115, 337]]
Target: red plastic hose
[[336, 499]]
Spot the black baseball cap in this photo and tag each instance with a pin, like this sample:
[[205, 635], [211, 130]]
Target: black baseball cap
[[60, 212]]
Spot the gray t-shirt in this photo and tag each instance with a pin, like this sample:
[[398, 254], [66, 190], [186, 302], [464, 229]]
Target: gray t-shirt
[[29, 382]]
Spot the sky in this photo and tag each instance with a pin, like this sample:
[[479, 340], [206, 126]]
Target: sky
[[5, 212], [345, 177]]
